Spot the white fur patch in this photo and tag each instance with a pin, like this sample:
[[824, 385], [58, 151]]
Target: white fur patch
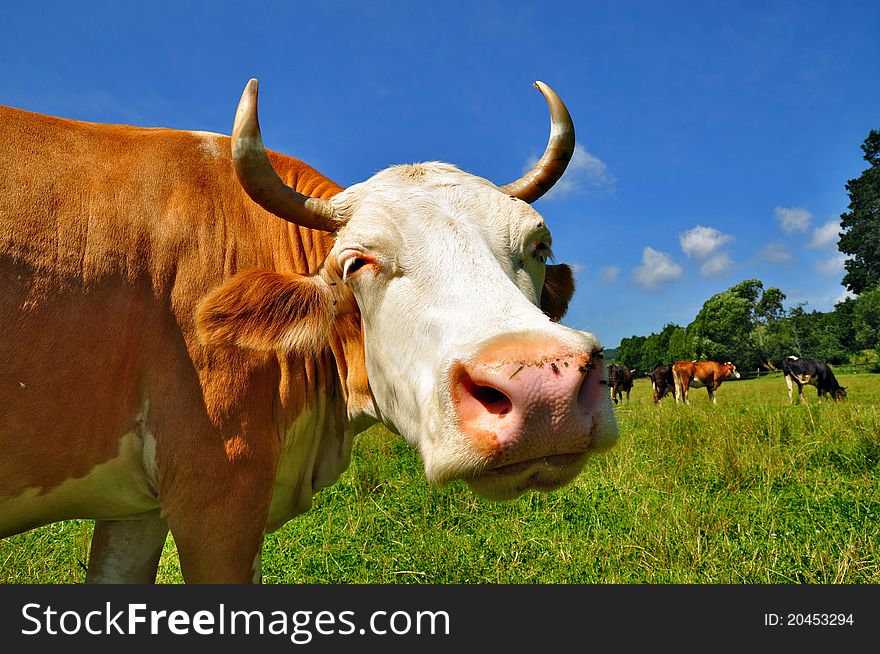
[[211, 143], [312, 457], [118, 488], [455, 267]]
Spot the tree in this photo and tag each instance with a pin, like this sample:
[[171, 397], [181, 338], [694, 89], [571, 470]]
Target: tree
[[629, 352], [680, 348], [817, 335], [866, 318], [657, 348], [734, 326], [722, 330], [769, 307], [861, 224]]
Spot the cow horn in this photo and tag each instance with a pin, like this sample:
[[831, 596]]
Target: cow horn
[[559, 150], [259, 179]]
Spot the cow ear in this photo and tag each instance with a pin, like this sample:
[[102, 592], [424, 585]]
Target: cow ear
[[267, 310], [557, 291]]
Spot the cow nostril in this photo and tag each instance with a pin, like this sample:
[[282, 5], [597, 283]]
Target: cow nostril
[[494, 400], [490, 399]]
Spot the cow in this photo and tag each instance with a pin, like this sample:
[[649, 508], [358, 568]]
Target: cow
[[194, 329], [812, 372], [661, 381], [700, 373], [620, 379]]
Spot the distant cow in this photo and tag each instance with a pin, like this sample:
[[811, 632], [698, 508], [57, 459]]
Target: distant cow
[[661, 381], [700, 373], [813, 372], [620, 379]]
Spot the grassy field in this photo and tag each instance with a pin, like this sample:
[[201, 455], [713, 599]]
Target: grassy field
[[749, 491]]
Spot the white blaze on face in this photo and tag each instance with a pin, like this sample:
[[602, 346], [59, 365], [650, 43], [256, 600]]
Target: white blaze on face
[[441, 264]]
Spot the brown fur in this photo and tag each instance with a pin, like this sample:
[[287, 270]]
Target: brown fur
[[709, 373], [265, 310], [110, 237], [558, 290]]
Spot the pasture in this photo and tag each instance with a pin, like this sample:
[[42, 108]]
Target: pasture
[[750, 491]]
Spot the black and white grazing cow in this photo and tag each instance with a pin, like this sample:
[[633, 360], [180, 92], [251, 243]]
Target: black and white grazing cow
[[812, 372], [620, 379]]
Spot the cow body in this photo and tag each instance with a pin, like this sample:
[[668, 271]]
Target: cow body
[[112, 408], [700, 373], [811, 372], [620, 379], [174, 356], [661, 381]]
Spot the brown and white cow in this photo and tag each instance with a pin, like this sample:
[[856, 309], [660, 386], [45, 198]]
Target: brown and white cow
[[700, 373], [173, 356]]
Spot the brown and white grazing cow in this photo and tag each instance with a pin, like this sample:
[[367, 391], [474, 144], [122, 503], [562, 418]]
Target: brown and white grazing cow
[[620, 379], [174, 356], [661, 381], [700, 373]]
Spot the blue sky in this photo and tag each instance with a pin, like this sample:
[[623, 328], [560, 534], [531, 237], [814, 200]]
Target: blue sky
[[714, 138]]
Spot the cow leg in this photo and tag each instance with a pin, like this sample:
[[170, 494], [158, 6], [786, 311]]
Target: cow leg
[[711, 392], [257, 568], [222, 553], [218, 520], [788, 384], [126, 551], [220, 546]]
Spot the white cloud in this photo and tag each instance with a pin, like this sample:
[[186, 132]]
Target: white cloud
[[703, 244], [775, 253], [826, 235], [657, 268], [832, 265], [717, 265], [844, 295], [584, 171], [701, 241], [609, 274], [795, 219]]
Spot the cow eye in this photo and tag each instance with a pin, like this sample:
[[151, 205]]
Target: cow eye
[[351, 266], [542, 251]]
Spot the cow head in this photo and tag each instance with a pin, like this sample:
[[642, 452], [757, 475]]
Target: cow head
[[458, 305], [728, 370], [661, 381]]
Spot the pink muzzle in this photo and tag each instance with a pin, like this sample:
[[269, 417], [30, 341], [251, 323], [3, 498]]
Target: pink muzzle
[[517, 400]]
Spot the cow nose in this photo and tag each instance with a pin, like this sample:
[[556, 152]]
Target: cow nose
[[516, 405]]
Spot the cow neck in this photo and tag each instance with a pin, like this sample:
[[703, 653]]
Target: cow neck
[[301, 251]]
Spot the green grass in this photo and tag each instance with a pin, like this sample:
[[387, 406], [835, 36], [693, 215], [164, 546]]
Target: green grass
[[749, 491]]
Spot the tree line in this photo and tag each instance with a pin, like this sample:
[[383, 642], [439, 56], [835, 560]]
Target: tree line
[[748, 324]]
